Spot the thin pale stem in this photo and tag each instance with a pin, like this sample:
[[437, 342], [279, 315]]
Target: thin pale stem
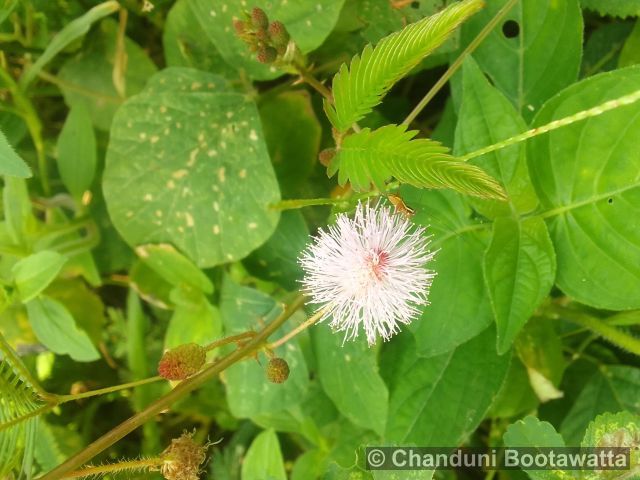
[[316, 84], [130, 466], [458, 62], [300, 328], [104, 391], [228, 340], [563, 122], [35, 413], [182, 389]]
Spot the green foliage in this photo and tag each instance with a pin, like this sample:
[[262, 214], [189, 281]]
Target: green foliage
[[591, 212], [360, 86], [213, 182], [374, 156], [10, 162], [160, 149], [619, 8], [19, 399]]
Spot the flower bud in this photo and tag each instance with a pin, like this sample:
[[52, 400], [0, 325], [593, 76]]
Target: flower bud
[[267, 55], [239, 26], [259, 19], [277, 370], [278, 34], [326, 155], [182, 362]]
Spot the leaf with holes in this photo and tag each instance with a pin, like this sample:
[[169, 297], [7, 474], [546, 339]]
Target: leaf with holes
[[360, 87], [375, 156], [535, 54], [308, 21], [212, 181], [587, 178]]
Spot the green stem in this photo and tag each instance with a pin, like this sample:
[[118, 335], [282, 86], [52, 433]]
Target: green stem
[[458, 62], [182, 389], [131, 466], [231, 339], [307, 202], [563, 122], [599, 327], [34, 413], [103, 391]]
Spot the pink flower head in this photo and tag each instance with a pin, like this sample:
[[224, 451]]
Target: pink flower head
[[369, 271]]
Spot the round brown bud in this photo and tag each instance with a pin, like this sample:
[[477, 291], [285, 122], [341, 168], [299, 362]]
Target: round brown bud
[[326, 155], [182, 362], [267, 55], [259, 19], [239, 26], [278, 34], [277, 370]]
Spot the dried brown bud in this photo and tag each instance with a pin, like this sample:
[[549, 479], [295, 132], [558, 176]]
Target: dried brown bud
[[277, 370], [182, 459], [279, 34], [326, 155], [267, 55], [182, 362], [259, 19]]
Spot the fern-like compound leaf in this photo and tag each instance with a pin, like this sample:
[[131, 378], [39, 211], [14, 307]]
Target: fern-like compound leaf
[[358, 88], [19, 404], [376, 156]]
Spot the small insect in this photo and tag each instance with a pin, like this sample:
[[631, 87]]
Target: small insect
[[400, 206]]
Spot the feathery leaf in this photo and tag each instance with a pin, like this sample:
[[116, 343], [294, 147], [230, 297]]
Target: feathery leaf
[[19, 398], [375, 156], [361, 86]]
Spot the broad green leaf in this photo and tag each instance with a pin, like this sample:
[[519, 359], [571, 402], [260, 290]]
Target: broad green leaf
[[10, 162], [362, 85], [47, 451], [459, 305], [616, 8], [173, 267], [516, 395], [19, 398], [151, 287], [519, 269], [77, 155], [630, 53], [311, 464], [486, 117], [349, 375], [34, 273], [541, 351], [277, 259], [88, 76], [293, 156], [441, 400], [540, 60], [71, 32], [531, 432], [620, 429], [603, 47], [186, 44], [56, 329], [375, 156], [16, 204], [264, 459], [249, 393], [611, 389], [194, 320], [308, 21], [587, 178], [212, 180]]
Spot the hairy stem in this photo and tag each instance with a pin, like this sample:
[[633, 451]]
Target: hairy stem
[[458, 62], [599, 327], [182, 389], [130, 466], [300, 328], [562, 122], [231, 339]]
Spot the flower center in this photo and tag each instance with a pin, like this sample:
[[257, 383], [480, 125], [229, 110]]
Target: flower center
[[377, 262]]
